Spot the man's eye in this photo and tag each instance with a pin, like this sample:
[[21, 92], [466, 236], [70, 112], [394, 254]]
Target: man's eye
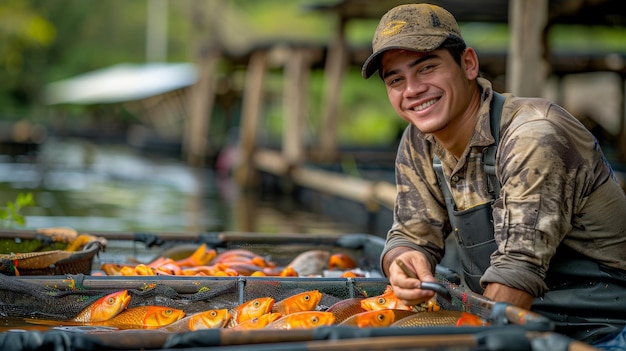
[[393, 81], [426, 68]]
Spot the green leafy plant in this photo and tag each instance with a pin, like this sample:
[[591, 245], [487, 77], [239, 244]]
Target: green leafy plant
[[10, 215]]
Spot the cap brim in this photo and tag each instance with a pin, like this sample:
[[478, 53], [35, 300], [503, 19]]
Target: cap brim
[[372, 64]]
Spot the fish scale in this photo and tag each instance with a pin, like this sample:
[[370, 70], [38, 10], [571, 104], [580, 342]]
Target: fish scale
[[430, 319], [344, 309], [377, 318]]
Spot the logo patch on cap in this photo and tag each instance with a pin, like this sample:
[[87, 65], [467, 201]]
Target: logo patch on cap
[[393, 28]]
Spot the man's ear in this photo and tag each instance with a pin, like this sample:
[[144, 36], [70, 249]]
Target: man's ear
[[469, 59]]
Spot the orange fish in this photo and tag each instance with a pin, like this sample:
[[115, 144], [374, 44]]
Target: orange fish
[[386, 300], [344, 309], [303, 320], [142, 317], [145, 317], [376, 318], [258, 322], [114, 269], [242, 268], [234, 255], [104, 308], [288, 271], [200, 257], [469, 319], [304, 301], [341, 261], [210, 319], [250, 309]]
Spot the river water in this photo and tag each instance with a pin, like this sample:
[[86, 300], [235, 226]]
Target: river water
[[113, 187]]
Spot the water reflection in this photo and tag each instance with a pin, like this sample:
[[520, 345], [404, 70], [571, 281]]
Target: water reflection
[[89, 186]]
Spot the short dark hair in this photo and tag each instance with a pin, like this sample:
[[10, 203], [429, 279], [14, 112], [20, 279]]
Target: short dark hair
[[455, 47]]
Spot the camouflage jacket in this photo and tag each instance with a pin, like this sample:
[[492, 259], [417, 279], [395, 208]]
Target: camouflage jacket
[[557, 188]]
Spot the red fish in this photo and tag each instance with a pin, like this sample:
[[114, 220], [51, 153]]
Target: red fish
[[303, 320], [104, 308], [210, 319], [304, 301], [250, 309]]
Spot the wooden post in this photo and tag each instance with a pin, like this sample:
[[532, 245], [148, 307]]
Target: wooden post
[[251, 110], [527, 68], [621, 154], [204, 19], [202, 97], [295, 95], [334, 72]]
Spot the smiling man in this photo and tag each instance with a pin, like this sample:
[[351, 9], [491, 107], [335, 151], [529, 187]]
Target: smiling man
[[537, 213]]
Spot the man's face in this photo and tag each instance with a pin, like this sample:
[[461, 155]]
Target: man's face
[[429, 89]]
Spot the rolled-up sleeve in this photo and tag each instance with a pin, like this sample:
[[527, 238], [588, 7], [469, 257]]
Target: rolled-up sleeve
[[543, 177], [420, 217]]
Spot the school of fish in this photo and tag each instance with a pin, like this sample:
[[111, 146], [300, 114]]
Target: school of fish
[[204, 261], [298, 311]]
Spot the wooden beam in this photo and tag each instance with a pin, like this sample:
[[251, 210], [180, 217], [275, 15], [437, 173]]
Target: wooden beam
[[370, 193], [527, 68]]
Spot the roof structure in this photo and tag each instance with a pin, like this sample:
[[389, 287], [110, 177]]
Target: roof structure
[[583, 12], [121, 83]]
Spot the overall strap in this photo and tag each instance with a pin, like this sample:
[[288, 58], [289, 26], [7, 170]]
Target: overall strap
[[489, 153]]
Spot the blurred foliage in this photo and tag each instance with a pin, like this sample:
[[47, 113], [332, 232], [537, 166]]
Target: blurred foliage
[[11, 215], [42, 41]]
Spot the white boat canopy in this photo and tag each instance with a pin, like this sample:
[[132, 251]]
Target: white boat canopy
[[121, 83]]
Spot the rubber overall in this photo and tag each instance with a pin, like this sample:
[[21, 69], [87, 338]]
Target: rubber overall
[[573, 280]]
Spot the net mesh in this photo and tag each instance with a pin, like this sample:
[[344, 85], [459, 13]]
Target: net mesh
[[64, 299]]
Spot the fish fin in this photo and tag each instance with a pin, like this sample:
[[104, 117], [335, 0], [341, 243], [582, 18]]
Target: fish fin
[[468, 319], [52, 322]]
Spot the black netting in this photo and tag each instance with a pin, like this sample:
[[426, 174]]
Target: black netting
[[64, 298]]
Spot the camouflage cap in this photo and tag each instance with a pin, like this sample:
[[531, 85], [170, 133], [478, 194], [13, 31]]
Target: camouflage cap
[[416, 27]]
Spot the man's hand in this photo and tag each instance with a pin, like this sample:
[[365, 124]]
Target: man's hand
[[404, 286]]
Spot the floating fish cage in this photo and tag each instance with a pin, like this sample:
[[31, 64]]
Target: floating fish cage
[[63, 297], [48, 252]]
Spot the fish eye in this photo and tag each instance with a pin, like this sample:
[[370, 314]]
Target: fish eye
[[381, 300], [381, 317], [315, 320], [307, 297], [213, 313], [257, 304], [111, 300], [169, 311]]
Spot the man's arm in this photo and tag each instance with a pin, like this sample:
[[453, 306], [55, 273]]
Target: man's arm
[[502, 293], [391, 256]]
